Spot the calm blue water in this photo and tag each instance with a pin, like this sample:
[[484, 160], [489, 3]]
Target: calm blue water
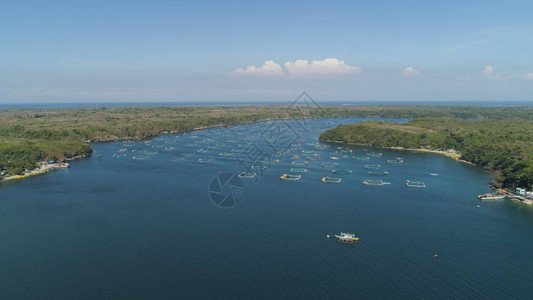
[[123, 228]]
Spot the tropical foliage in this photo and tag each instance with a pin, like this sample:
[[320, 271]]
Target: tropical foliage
[[505, 146]]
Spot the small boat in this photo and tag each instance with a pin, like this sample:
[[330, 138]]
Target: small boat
[[342, 171], [491, 197], [299, 170], [331, 180], [300, 163], [347, 238], [434, 174], [334, 157], [246, 175], [415, 184], [290, 177]]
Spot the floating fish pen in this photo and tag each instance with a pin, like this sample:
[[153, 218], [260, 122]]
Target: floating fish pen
[[270, 161], [345, 151], [374, 182], [341, 171], [374, 154], [202, 150], [335, 153], [205, 160], [237, 150], [395, 161], [361, 157], [246, 175], [258, 167], [290, 177], [372, 167], [300, 163], [299, 170], [347, 238], [275, 155], [314, 157], [190, 145], [331, 180], [308, 151], [225, 154], [177, 159], [187, 154], [212, 147], [330, 165], [378, 173], [139, 157], [415, 184]]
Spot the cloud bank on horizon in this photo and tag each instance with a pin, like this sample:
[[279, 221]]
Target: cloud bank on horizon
[[300, 68]]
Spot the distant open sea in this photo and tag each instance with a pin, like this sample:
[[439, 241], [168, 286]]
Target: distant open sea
[[226, 103]]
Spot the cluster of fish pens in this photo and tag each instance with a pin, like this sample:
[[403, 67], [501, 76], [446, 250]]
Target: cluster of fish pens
[[234, 144]]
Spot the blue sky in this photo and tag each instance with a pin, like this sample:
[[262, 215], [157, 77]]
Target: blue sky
[[109, 51]]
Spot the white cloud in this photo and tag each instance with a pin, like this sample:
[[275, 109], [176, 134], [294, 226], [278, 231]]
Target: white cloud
[[489, 73], [269, 68], [528, 76], [411, 72], [326, 67]]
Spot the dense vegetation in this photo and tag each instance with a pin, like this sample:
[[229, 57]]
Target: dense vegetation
[[28, 136], [505, 146]]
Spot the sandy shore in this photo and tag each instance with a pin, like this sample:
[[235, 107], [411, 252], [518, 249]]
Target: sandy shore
[[43, 168], [454, 156]]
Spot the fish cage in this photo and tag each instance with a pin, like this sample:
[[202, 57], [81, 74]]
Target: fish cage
[[378, 173], [299, 170], [373, 182], [361, 157], [205, 160], [415, 184], [247, 175], [290, 177], [330, 165], [342, 171], [331, 180], [372, 167]]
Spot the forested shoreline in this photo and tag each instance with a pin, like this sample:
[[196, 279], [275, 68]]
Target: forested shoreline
[[505, 146], [29, 136]]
